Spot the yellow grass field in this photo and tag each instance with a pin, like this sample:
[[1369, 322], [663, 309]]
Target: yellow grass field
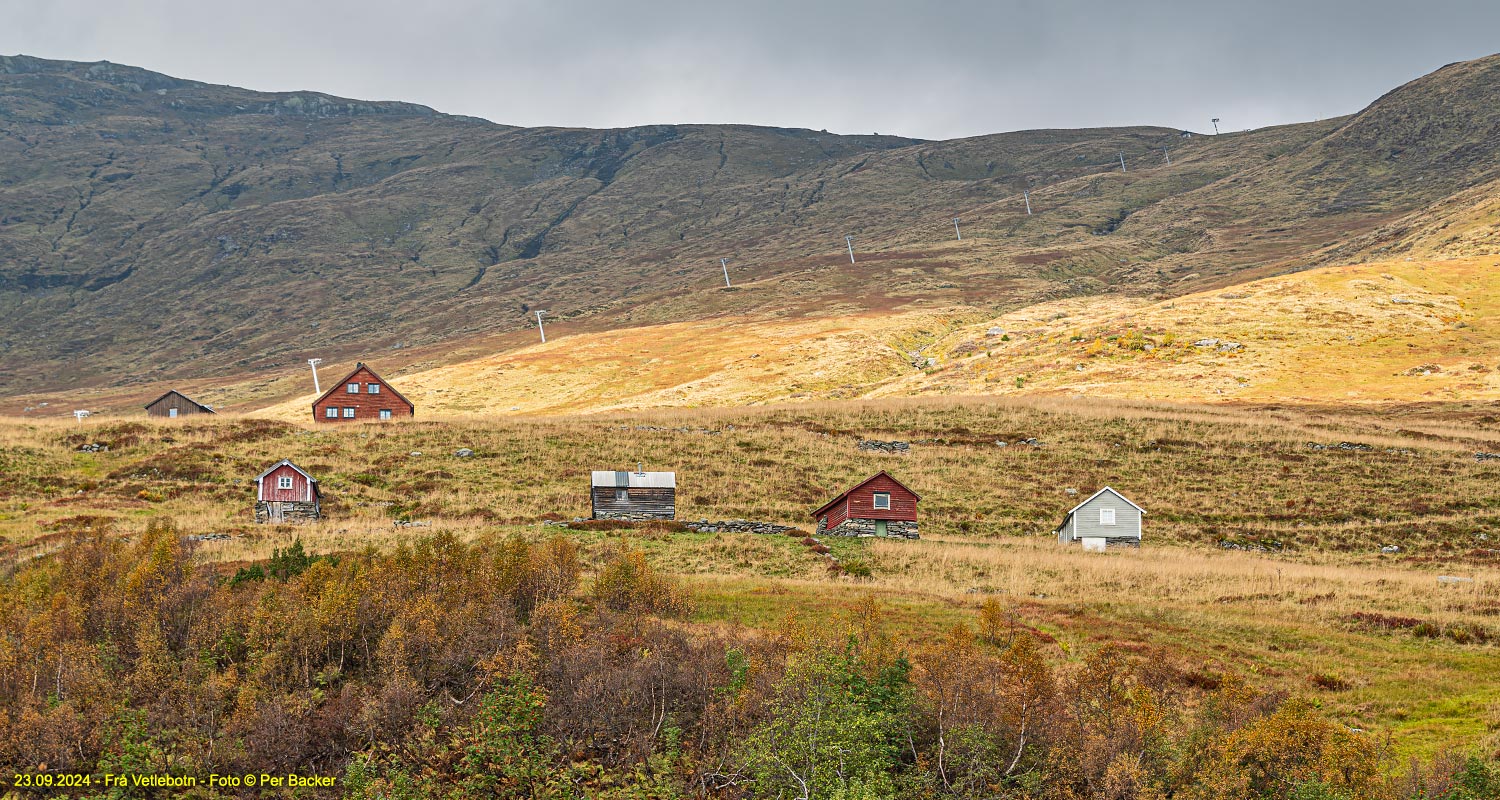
[[1400, 331]]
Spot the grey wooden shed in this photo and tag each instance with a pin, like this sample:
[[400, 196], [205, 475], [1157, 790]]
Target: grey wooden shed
[[636, 495], [1106, 519]]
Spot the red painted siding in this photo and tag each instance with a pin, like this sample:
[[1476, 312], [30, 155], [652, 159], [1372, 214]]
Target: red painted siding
[[836, 515], [367, 407], [300, 491], [861, 501]]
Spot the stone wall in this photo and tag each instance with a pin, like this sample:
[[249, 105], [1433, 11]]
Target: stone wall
[[739, 526], [290, 511], [897, 529], [633, 516]]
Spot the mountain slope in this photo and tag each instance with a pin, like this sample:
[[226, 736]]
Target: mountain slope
[[155, 228], [1404, 331]]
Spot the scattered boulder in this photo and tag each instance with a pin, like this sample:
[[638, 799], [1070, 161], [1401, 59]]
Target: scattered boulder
[[93, 447], [1390, 548], [1071, 491], [415, 453], [1206, 343], [995, 332], [463, 452], [1483, 456], [1229, 347], [1454, 579], [1001, 443]]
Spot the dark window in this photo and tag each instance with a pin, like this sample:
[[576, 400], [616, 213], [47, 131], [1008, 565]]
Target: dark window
[[622, 495], [883, 501]]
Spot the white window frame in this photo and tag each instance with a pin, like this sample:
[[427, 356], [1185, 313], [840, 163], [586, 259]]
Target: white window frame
[[172, 412], [1107, 516], [622, 495], [372, 388], [385, 413], [284, 482], [331, 412], [348, 412], [877, 497], [352, 388]]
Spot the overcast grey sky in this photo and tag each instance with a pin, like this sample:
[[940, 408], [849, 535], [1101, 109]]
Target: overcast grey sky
[[927, 69]]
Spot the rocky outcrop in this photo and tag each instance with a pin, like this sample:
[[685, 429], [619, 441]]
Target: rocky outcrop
[[874, 446]]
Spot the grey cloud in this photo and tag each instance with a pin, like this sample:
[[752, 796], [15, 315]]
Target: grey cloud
[[933, 70]]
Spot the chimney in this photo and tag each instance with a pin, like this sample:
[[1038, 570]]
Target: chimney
[[640, 468]]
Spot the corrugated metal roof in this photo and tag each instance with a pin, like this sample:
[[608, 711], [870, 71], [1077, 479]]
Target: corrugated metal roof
[[635, 480]]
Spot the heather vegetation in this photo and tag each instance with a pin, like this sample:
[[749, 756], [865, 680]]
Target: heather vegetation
[[490, 668]]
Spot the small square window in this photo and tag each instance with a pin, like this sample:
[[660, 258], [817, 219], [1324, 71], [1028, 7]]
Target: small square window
[[385, 413], [331, 412], [284, 482], [1106, 516], [372, 388], [883, 501], [622, 495], [352, 388], [172, 412], [348, 413]]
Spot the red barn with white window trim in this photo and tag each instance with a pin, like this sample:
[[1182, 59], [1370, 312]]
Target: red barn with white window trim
[[361, 396], [285, 492], [879, 505]]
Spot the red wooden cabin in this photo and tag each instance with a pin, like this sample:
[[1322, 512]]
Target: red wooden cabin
[[361, 395], [878, 506], [286, 493]]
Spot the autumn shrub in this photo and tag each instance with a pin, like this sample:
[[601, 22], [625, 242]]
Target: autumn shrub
[[829, 730], [856, 568], [628, 582]]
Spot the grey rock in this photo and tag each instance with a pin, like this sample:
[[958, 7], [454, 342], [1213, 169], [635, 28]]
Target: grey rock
[[463, 452]]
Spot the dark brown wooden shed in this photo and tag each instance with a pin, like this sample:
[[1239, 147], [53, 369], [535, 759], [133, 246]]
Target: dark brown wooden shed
[[633, 495], [175, 404]]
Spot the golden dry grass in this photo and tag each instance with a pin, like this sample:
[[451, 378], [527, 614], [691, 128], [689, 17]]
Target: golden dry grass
[[1393, 331], [1205, 474]]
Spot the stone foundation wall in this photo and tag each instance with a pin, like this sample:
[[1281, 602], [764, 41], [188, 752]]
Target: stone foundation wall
[[290, 511], [896, 529], [633, 516]]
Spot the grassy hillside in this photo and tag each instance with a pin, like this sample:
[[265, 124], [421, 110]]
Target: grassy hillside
[[1417, 664], [1399, 331], [1396, 331], [161, 229]]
